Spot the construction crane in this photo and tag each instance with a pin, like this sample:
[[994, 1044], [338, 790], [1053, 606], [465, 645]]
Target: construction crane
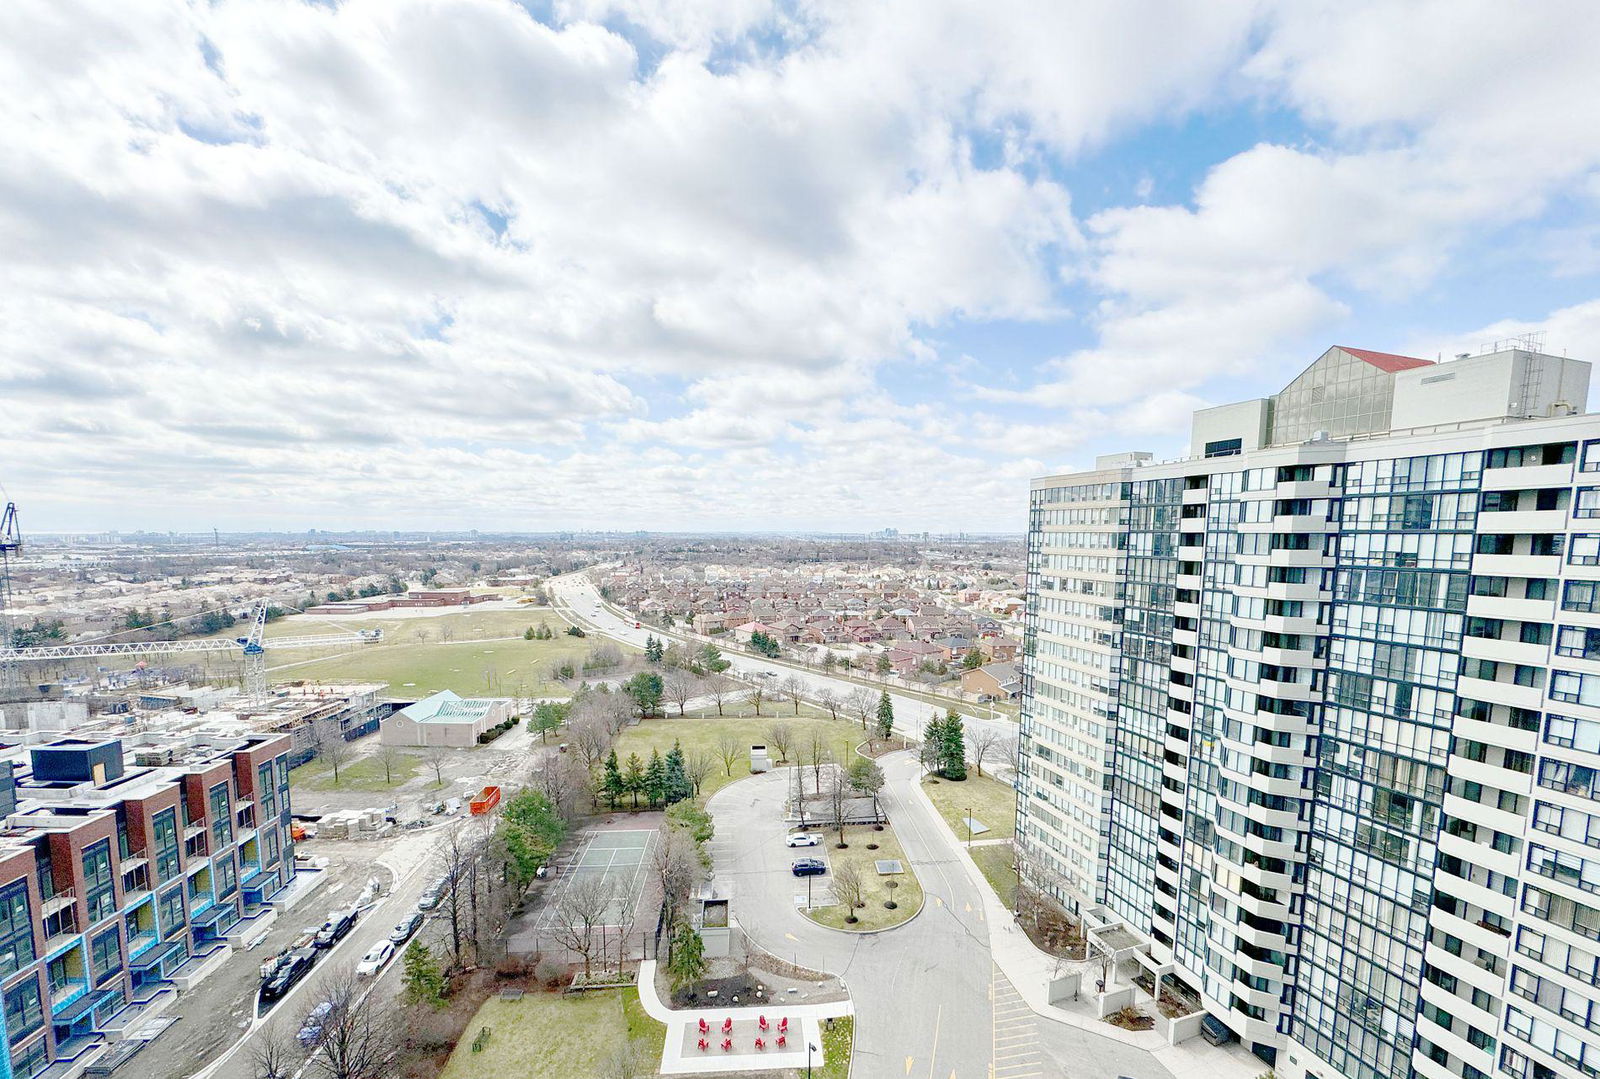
[[10, 546], [253, 647]]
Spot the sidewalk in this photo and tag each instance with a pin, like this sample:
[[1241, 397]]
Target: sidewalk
[[1030, 971], [681, 1055]]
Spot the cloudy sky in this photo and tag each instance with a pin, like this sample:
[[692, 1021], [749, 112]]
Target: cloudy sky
[[815, 264]]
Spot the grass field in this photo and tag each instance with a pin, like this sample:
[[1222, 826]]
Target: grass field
[[471, 652], [837, 1042], [999, 870], [992, 802], [703, 733], [907, 896], [557, 1036], [365, 774]]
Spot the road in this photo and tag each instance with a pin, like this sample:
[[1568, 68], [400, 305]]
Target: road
[[576, 597], [409, 862], [930, 1003]]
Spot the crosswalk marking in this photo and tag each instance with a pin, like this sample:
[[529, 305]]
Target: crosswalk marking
[[1014, 1052]]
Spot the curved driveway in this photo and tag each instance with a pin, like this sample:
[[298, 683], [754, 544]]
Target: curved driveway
[[921, 991]]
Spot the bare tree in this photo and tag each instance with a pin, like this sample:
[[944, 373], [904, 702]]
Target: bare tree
[[675, 863], [331, 746], [728, 748], [758, 693], [863, 705], [457, 856], [590, 737], [849, 888], [565, 781], [720, 690], [391, 757], [436, 756], [360, 1037], [680, 687], [794, 689], [837, 802], [697, 767], [830, 702], [580, 913], [275, 1054], [817, 754], [983, 742], [780, 736]]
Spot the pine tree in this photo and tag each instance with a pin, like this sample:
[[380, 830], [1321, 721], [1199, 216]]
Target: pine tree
[[655, 779], [931, 753], [953, 745], [652, 648], [421, 978], [612, 784], [688, 962], [633, 778], [885, 715], [677, 786]]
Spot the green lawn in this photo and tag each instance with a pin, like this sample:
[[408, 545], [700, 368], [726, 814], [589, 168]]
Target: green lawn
[[703, 733], [838, 1040], [992, 802], [474, 668], [907, 896], [557, 1036], [999, 869], [366, 774]]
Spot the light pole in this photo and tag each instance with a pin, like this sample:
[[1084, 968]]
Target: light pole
[[969, 827], [809, 1050]]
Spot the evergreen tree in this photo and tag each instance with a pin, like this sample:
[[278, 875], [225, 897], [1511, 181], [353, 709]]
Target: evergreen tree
[[885, 715], [655, 779], [645, 688], [688, 962], [931, 753], [953, 748], [652, 648], [421, 978], [972, 660], [612, 785], [633, 778], [678, 786], [710, 658]]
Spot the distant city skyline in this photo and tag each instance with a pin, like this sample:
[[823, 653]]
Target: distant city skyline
[[740, 267]]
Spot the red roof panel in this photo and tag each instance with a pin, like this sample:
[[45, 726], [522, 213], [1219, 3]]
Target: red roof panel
[[1386, 361]]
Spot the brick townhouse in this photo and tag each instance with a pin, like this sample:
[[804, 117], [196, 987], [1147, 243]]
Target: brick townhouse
[[119, 882]]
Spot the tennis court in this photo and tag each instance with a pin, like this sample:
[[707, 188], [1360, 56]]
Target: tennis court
[[619, 860]]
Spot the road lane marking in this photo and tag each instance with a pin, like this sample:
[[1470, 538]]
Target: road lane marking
[[938, 1017], [908, 1064]]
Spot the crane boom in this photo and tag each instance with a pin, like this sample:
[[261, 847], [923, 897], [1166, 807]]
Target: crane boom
[[162, 648]]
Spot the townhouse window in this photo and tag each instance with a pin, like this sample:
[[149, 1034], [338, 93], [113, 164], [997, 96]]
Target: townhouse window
[[24, 1009], [99, 892], [1586, 504], [227, 876], [170, 910], [16, 928], [266, 791], [105, 955], [165, 826]]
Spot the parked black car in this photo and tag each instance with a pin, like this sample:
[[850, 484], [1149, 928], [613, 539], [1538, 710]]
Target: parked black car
[[406, 929], [336, 929], [809, 867], [290, 969]]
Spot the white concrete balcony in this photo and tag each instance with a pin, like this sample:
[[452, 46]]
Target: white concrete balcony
[[1484, 814], [1290, 657], [1534, 521], [1472, 933], [1287, 557], [1495, 734], [1533, 655], [1185, 637], [1186, 610], [1453, 1043], [1515, 565], [1508, 693], [1302, 523], [1526, 477], [1491, 774], [1198, 496], [1304, 489], [1188, 553], [1523, 610], [1287, 691]]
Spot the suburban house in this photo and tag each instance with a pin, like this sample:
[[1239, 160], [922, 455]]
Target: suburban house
[[999, 680]]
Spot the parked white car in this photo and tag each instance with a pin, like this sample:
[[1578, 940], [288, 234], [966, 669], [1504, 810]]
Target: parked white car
[[374, 960], [804, 839]]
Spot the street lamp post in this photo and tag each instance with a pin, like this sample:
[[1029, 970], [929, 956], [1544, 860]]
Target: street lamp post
[[809, 1050], [969, 827]]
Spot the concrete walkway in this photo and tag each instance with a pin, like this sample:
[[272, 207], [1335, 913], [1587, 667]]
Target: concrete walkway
[[682, 1056], [1030, 971]]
